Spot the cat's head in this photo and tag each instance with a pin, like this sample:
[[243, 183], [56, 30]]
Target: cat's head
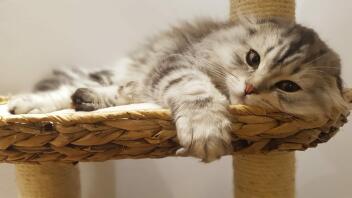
[[287, 67]]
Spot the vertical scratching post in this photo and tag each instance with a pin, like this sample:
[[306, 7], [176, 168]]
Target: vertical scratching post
[[284, 9], [264, 176], [260, 175], [48, 180]]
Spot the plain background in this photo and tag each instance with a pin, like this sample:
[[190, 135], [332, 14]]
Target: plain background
[[38, 35]]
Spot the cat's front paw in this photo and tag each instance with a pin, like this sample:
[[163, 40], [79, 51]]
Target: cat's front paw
[[85, 99], [204, 135]]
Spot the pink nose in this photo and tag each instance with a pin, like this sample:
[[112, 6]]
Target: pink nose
[[250, 89]]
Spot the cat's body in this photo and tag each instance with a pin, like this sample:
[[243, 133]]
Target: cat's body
[[197, 70]]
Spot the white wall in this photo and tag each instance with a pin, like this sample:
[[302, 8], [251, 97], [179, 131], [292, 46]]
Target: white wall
[[38, 35]]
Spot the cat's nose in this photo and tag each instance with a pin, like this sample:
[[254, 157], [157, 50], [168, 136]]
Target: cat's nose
[[249, 89]]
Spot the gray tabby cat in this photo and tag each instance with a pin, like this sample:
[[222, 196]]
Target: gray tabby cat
[[197, 70]]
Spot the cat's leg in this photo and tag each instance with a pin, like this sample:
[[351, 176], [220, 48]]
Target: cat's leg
[[50, 94], [89, 99], [42, 102], [199, 110]]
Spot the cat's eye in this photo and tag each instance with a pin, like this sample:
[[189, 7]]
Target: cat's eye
[[287, 86], [253, 58]]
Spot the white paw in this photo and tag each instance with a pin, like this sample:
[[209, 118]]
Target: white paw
[[26, 104], [204, 134]]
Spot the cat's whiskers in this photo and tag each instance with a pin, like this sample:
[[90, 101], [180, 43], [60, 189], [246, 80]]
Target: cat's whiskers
[[269, 103]]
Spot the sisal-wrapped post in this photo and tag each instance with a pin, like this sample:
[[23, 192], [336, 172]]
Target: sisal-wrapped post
[[284, 9], [264, 176], [50, 180]]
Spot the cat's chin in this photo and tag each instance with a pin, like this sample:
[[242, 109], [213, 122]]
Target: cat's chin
[[253, 101]]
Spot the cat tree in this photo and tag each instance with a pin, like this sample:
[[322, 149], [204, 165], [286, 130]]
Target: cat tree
[[44, 147]]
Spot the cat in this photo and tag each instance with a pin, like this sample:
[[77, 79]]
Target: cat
[[197, 70]]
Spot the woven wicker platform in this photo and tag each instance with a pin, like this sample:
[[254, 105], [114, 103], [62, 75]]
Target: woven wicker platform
[[100, 136]]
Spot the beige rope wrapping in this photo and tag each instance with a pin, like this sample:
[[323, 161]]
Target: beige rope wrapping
[[264, 176], [48, 181], [284, 9]]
